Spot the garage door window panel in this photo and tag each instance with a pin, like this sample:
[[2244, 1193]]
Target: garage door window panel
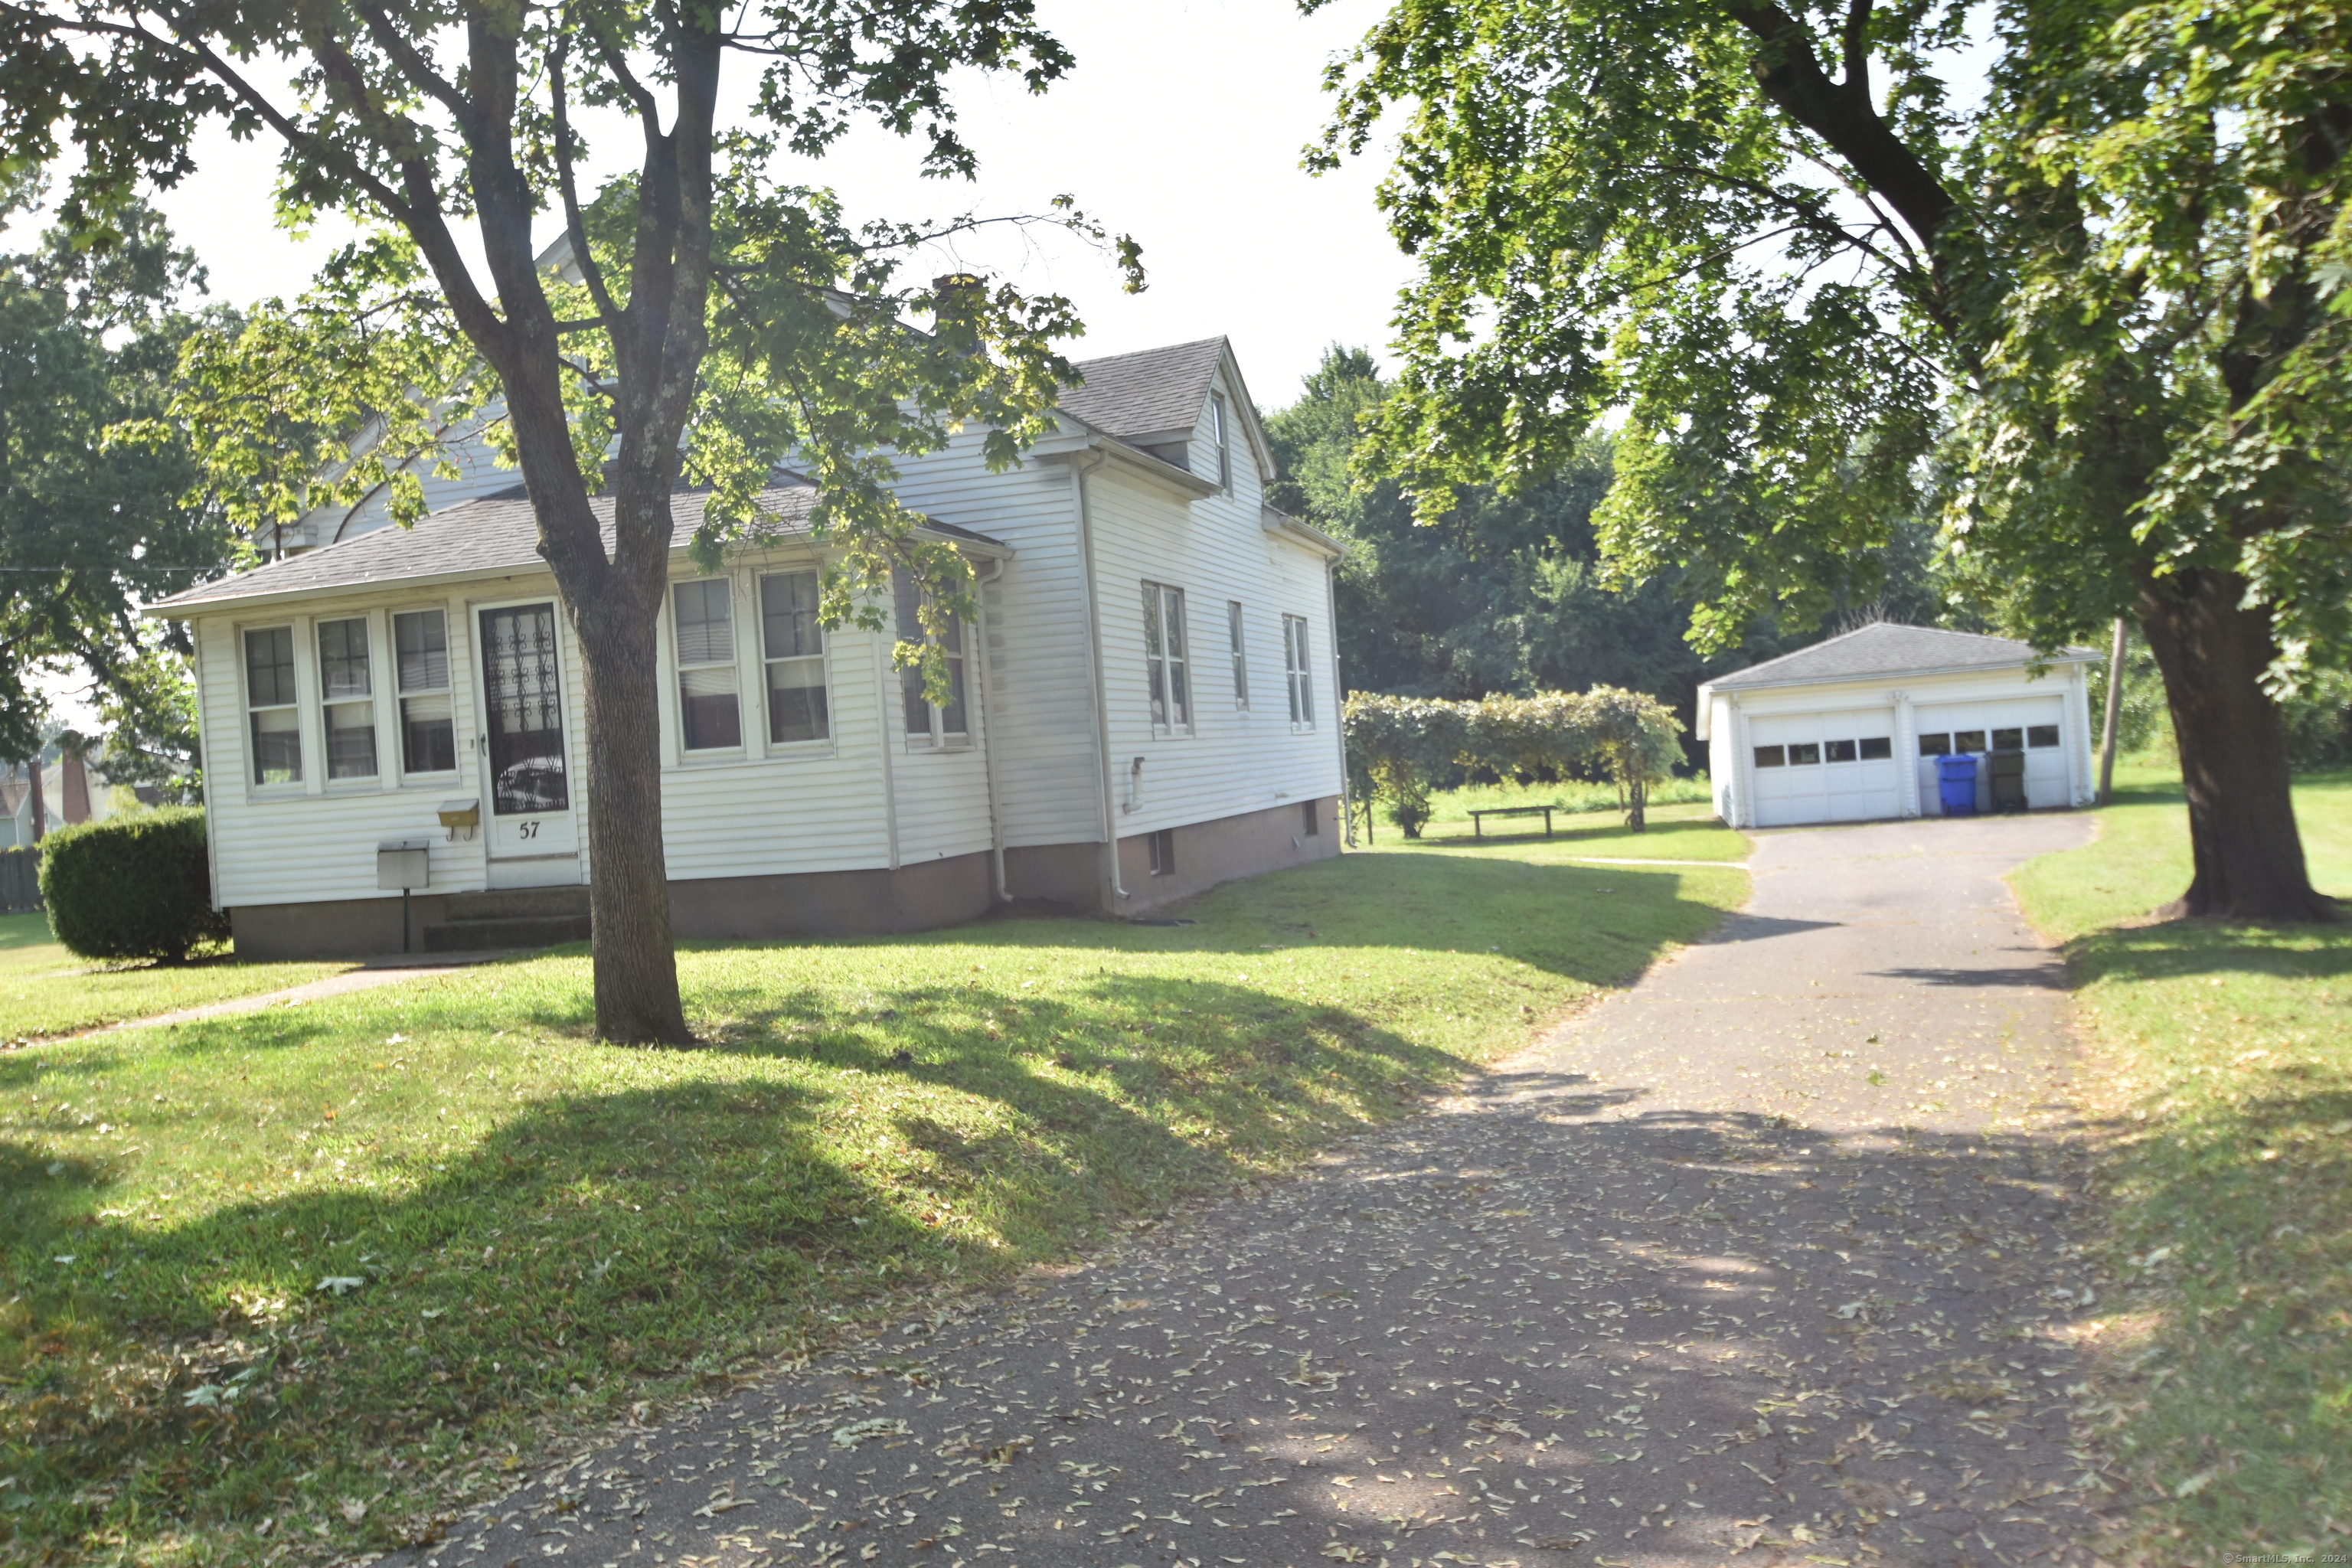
[[2041, 737], [2008, 740], [1839, 751], [1770, 757], [1878, 748], [1808, 754], [1968, 741], [1935, 745]]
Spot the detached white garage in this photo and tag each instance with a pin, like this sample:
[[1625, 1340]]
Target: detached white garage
[[1850, 730]]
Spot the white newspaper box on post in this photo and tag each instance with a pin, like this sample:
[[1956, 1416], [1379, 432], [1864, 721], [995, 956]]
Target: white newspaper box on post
[[404, 864]]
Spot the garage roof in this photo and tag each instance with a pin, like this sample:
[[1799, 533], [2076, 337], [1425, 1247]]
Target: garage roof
[[1888, 647]]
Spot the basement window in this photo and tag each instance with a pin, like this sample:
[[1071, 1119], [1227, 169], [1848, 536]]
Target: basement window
[[1163, 852]]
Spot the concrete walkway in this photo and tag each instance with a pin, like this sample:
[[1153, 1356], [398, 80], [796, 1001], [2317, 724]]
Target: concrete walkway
[[1766, 1261], [371, 973]]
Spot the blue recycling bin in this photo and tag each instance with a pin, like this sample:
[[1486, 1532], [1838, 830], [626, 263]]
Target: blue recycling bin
[[1956, 785]]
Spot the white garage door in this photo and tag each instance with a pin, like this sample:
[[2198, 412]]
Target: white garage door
[[2034, 725], [1823, 767]]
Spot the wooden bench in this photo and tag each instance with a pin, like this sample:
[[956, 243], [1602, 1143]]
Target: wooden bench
[[1478, 823]]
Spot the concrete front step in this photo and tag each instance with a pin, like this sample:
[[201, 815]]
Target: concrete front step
[[518, 903], [483, 936]]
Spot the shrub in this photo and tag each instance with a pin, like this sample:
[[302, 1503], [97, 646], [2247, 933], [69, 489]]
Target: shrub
[[133, 886]]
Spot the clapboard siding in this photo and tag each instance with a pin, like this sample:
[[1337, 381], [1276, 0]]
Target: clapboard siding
[[1233, 760], [1048, 774]]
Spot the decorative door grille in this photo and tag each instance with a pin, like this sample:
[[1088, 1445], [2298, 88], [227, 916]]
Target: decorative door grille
[[525, 688]]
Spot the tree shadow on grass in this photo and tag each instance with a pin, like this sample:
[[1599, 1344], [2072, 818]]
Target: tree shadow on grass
[[198, 1373]]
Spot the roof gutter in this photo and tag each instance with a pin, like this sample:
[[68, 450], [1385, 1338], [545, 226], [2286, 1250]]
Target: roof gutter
[[178, 607]]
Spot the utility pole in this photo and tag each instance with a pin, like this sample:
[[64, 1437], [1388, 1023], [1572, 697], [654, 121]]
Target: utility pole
[[2114, 711]]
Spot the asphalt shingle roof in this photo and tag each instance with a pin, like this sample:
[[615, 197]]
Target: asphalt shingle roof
[[1147, 392], [1885, 648], [470, 539]]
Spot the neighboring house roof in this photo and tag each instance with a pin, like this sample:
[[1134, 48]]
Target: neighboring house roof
[[473, 539], [1886, 649]]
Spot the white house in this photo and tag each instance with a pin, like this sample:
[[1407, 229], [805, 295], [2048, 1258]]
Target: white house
[[1850, 730], [1147, 704]]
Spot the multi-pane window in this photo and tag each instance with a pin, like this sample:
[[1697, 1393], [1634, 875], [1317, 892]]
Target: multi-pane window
[[935, 722], [269, 696], [1225, 441], [428, 730], [349, 698], [705, 665], [1163, 655], [1295, 671], [1241, 658], [792, 645]]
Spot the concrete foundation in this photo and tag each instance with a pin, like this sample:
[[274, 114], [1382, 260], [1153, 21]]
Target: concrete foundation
[[843, 903], [1204, 854], [333, 928]]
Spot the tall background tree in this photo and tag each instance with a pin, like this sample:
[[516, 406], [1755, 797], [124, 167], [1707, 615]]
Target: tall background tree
[[705, 312], [90, 332], [1506, 593], [2099, 305]]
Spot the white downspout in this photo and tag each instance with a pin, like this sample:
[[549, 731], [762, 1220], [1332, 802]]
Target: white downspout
[[1095, 655], [882, 713], [988, 733], [1338, 696]]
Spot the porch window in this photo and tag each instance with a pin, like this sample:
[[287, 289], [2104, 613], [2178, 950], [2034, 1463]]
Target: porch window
[[934, 723], [428, 728], [792, 644], [269, 697], [1164, 657], [349, 697], [1295, 671], [705, 665]]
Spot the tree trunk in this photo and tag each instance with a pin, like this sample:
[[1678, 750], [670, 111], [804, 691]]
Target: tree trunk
[[628, 873], [2248, 855]]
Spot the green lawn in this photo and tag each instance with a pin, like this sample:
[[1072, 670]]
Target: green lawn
[[45, 990], [1678, 830], [539, 1231], [2228, 1083]]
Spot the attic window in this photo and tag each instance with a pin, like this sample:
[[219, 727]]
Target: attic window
[[1224, 443]]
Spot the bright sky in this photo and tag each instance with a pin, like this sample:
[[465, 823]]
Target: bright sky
[[1181, 125]]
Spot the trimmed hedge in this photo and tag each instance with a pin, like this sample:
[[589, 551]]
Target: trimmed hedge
[[133, 886]]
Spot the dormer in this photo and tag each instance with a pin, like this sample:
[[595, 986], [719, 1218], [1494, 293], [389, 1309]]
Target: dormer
[[1184, 405]]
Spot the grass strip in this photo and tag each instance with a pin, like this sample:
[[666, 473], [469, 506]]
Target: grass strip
[[2228, 1180], [312, 1276], [45, 990]]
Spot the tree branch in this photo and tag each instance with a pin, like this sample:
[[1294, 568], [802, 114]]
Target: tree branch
[[574, 224]]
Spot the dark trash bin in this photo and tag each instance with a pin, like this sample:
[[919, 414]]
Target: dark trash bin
[[1956, 785], [2008, 781]]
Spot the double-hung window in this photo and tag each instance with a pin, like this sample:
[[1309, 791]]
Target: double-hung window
[[1295, 671], [349, 697], [428, 727], [277, 726], [792, 645], [927, 722], [705, 665], [1164, 657], [1241, 656]]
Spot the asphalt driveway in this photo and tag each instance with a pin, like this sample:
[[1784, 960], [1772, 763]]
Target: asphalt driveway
[[1768, 1260]]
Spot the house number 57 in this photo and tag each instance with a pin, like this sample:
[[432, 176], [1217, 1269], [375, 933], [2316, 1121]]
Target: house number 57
[[529, 830]]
